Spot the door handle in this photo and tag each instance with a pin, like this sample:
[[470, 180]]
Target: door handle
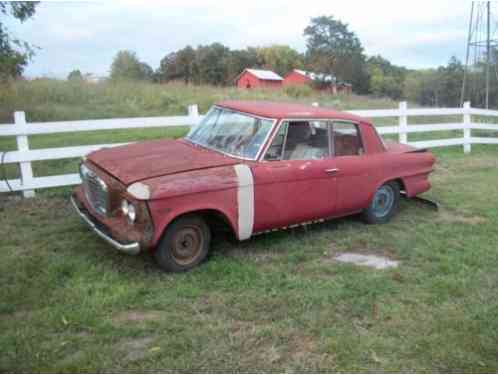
[[332, 170]]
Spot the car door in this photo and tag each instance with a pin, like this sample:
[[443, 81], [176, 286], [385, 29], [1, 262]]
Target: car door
[[356, 171], [295, 182]]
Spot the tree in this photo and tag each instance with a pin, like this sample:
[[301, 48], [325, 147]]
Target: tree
[[75, 75], [423, 87], [127, 66], [147, 73], [178, 65], [386, 79], [238, 60], [210, 65], [14, 53], [279, 58], [451, 78], [333, 49]]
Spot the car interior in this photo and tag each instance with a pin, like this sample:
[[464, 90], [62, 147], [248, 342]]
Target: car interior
[[305, 142], [308, 140]]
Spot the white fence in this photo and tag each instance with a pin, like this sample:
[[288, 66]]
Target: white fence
[[27, 183]]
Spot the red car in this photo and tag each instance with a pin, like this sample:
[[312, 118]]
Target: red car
[[249, 167]]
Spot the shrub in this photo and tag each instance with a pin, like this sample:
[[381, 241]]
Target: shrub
[[298, 91]]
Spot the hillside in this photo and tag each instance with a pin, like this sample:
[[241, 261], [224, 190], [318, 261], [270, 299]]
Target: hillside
[[53, 100]]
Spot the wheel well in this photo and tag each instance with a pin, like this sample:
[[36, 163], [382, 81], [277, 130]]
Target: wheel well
[[216, 220], [401, 184]]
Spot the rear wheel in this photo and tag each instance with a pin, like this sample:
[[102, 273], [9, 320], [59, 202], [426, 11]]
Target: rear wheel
[[184, 245], [384, 205]]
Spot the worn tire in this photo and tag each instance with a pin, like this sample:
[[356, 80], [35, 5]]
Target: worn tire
[[184, 244], [384, 205]]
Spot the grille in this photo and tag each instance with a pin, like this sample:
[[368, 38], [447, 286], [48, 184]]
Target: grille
[[95, 191]]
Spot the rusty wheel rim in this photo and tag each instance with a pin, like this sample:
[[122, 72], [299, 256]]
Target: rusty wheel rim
[[187, 245]]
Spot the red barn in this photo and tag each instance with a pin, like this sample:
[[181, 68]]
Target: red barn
[[251, 78], [301, 77]]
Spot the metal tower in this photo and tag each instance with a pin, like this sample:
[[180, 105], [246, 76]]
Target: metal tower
[[480, 60]]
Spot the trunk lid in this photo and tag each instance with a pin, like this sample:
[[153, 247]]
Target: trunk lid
[[401, 148], [144, 160]]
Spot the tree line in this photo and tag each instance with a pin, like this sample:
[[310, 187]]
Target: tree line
[[331, 48]]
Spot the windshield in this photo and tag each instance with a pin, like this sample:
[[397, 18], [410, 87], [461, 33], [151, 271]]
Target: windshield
[[231, 132]]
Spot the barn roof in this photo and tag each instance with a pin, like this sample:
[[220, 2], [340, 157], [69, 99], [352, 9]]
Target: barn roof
[[286, 110], [266, 75], [316, 76]]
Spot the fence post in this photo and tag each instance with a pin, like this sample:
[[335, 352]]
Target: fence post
[[23, 145], [193, 113], [466, 128], [403, 123]]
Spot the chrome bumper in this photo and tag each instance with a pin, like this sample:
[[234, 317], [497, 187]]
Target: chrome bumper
[[131, 248]]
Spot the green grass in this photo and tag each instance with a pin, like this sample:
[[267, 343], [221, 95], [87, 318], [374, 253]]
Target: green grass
[[277, 302]]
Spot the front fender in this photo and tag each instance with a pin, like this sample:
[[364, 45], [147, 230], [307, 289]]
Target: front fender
[[227, 190], [164, 211], [192, 182]]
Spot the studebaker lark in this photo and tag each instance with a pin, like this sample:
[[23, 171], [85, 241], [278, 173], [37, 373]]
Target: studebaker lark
[[249, 168]]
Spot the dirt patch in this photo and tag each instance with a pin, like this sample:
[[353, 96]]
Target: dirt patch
[[476, 163], [373, 261], [135, 349], [51, 208], [71, 359], [301, 347], [137, 316], [252, 254], [442, 169], [17, 315], [453, 217], [362, 256]]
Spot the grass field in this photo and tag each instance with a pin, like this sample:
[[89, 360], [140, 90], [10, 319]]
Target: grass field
[[277, 302], [53, 100]]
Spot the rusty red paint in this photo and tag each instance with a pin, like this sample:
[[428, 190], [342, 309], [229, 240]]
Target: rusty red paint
[[287, 110], [145, 160], [184, 178]]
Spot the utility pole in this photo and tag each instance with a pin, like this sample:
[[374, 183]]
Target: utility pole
[[469, 39], [488, 55]]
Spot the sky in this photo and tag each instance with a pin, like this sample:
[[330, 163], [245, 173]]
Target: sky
[[87, 35]]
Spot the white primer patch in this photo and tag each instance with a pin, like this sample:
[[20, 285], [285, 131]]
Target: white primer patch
[[245, 200], [139, 190], [374, 261]]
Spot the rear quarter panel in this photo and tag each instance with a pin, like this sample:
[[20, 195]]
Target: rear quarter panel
[[413, 168]]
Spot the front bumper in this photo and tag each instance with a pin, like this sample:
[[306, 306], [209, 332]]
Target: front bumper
[[132, 248]]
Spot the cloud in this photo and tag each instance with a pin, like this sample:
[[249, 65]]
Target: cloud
[[86, 35]]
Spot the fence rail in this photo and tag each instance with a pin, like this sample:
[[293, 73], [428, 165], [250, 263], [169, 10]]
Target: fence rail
[[27, 183]]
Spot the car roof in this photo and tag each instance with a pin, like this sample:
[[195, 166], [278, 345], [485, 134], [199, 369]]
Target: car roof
[[279, 110]]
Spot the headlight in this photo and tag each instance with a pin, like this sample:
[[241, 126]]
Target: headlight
[[83, 170], [132, 213], [129, 211], [124, 207]]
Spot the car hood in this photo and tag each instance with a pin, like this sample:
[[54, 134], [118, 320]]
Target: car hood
[[144, 160]]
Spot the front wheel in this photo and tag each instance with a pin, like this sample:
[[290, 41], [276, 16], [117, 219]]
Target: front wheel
[[184, 245], [384, 205]]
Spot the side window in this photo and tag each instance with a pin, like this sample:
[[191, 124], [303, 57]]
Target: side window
[[347, 139], [307, 140], [276, 148]]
